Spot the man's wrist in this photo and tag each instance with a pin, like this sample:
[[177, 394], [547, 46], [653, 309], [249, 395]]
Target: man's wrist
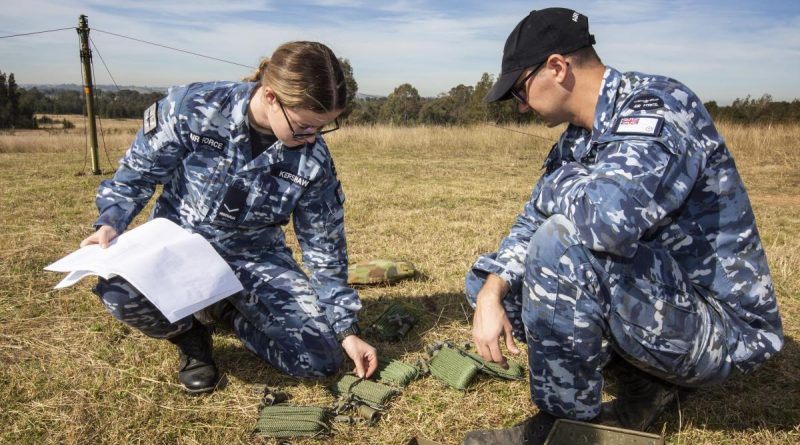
[[495, 288], [352, 330]]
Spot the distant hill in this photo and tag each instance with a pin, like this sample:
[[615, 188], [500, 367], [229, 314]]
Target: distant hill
[[76, 87]]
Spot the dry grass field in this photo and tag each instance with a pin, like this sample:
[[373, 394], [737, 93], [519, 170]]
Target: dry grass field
[[438, 197]]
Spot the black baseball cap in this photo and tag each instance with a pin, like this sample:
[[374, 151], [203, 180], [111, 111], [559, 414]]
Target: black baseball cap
[[534, 39]]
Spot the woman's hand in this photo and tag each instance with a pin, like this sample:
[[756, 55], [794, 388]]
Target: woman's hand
[[103, 236], [363, 355]]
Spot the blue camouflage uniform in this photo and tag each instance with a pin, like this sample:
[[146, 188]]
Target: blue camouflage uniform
[[639, 238], [196, 142]]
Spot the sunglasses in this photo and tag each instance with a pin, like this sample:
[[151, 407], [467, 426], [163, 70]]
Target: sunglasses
[[327, 128], [519, 89]]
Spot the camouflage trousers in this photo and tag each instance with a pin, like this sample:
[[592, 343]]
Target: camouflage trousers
[[276, 317], [577, 307]]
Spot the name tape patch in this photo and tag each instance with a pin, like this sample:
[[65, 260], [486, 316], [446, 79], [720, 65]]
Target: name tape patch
[[647, 102], [302, 182], [642, 125], [150, 120]]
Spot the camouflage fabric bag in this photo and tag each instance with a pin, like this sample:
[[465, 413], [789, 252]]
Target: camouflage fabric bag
[[379, 271]]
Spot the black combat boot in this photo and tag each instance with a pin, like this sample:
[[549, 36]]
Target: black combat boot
[[531, 431], [641, 398], [197, 371]]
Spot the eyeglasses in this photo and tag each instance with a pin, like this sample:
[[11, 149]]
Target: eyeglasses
[[327, 128], [519, 89]]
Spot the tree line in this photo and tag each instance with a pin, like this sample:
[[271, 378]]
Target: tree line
[[462, 105], [15, 111]]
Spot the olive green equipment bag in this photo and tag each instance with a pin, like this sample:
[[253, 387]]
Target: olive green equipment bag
[[457, 367], [374, 394], [394, 323], [395, 372], [278, 419], [366, 398], [292, 421], [514, 371]]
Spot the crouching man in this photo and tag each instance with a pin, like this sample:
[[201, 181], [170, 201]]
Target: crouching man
[[637, 248]]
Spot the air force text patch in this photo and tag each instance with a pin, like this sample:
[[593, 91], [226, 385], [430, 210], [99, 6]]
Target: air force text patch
[[641, 125], [207, 141], [150, 119]]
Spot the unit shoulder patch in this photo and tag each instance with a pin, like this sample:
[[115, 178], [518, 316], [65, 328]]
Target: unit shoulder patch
[[640, 125], [646, 102], [150, 120]]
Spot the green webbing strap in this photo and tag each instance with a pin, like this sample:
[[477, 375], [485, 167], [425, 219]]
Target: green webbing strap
[[292, 421], [453, 368], [514, 371], [395, 372], [372, 393]]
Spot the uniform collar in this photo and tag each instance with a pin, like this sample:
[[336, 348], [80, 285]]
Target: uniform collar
[[241, 96], [578, 139], [606, 102]]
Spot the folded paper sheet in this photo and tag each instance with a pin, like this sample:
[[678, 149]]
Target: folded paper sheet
[[178, 271]]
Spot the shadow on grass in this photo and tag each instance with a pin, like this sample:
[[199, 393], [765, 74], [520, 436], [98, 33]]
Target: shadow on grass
[[235, 360], [767, 399]]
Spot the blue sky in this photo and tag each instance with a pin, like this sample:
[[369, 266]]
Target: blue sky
[[721, 49]]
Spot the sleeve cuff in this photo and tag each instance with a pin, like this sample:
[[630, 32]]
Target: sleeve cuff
[[353, 329], [488, 265], [113, 220]]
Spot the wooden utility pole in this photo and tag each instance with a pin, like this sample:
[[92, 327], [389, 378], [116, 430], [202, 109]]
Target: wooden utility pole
[[88, 88]]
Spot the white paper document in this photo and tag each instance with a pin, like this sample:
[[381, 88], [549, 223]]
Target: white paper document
[[178, 271]]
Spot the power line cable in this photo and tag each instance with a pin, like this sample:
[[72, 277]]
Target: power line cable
[[521, 132], [100, 121], [174, 49], [37, 32], [104, 64]]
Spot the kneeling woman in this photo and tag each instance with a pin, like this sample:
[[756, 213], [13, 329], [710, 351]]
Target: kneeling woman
[[236, 160]]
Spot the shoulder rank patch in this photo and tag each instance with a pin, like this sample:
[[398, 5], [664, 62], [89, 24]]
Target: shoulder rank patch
[[150, 118], [646, 102], [641, 125]]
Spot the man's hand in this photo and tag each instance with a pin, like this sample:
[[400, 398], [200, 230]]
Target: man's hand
[[490, 322], [103, 236], [363, 355]]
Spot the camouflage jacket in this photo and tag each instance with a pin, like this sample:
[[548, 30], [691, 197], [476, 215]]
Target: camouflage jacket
[[654, 170], [196, 142]]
